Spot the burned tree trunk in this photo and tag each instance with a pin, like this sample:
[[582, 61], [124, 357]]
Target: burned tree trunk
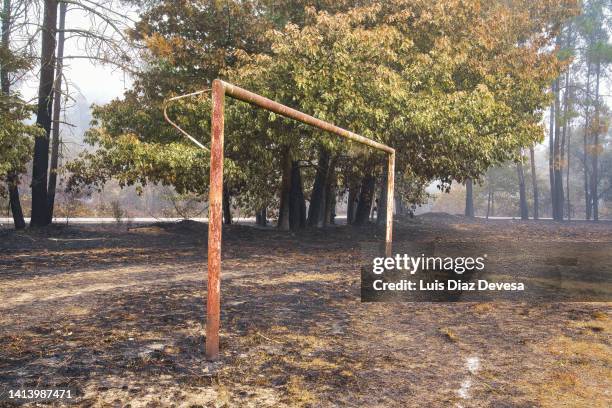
[[351, 205], [366, 197], [400, 208], [297, 203], [330, 194], [13, 187], [261, 217], [227, 206], [40, 160], [57, 107], [381, 215], [316, 210], [285, 192]]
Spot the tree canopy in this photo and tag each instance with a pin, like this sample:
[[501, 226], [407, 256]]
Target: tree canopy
[[454, 86]]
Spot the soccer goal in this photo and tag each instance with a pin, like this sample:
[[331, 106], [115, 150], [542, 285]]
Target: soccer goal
[[219, 90]]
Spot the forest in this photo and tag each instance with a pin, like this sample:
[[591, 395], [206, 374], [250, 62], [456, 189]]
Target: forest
[[505, 101]]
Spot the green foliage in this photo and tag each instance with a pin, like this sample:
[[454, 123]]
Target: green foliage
[[454, 86], [16, 137], [132, 162]]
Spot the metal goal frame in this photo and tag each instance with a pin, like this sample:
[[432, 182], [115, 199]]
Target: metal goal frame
[[219, 90]]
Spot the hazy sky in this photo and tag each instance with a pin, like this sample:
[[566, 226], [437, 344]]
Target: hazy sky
[[96, 83], [88, 83]]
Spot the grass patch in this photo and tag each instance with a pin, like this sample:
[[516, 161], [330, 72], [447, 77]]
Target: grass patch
[[580, 376], [298, 393], [449, 334]]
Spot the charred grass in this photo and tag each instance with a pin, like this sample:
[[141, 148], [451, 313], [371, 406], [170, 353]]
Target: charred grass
[[118, 314]]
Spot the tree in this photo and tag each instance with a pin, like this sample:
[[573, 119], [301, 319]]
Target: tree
[[57, 106], [316, 209], [499, 191], [560, 128], [536, 199], [524, 209], [469, 198], [554, 192], [15, 136], [595, 55], [482, 79], [99, 46], [602, 51], [16, 140], [551, 151], [40, 161]]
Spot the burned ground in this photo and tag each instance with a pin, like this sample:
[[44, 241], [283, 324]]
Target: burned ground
[[118, 314]]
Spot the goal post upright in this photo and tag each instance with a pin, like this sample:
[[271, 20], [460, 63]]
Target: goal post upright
[[213, 301], [390, 203], [219, 90]]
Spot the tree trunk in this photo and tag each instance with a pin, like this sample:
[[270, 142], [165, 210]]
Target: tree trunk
[[368, 184], [330, 194], [5, 87], [595, 160], [564, 136], [13, 187], [399, 205], [316, 209], [261, 217], [227, 206], [469, 198], [57, 107], [557, 209], [489, 198], [6, 43], [587, 187], [297, 206], [585, 153], [40, 160], [285, 193], [374, 207], [567, 176], [555, 145], [522, 192], [534, 181], [381, 215], [351, 206], [551, 154]]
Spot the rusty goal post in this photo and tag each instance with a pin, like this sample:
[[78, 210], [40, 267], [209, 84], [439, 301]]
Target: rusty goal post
[[219, 90]]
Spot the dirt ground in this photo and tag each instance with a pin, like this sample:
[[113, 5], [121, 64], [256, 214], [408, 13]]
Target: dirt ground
[[118, 314]]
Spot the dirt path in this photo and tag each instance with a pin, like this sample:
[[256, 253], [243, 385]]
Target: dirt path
[[119, 316]]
